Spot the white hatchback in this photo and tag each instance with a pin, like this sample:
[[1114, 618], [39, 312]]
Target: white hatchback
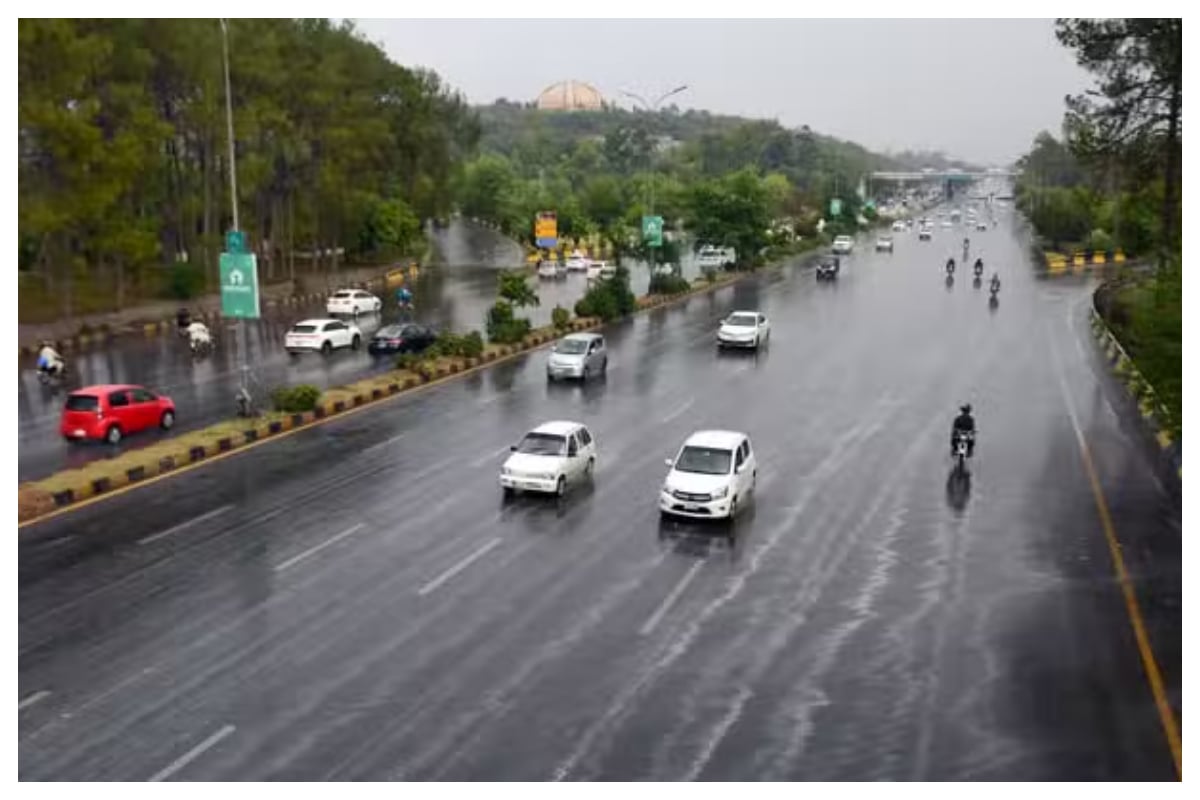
[[744, 329], [352, 301], [711, 476], [549, 458]]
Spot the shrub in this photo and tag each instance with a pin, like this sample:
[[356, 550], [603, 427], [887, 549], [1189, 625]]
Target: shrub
[[561, 317], [503, 327], [408, 361], [473, 345], [608, 299], [451, 344], [668, 284], [295, 399], [710, 274], [185, 280]]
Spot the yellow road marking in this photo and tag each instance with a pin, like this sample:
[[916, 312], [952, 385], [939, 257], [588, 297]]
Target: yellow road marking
[[1153, 674]]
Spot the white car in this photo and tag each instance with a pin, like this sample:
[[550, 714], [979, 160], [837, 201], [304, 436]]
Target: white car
[[577, 262], [898, 226], [353, 302], [925, 235], [716, 257], [324, 335], [711, 477], [578, 355], [842, 245], [884, 243], [600, 270], [981, 226], [743, 329], [551, 269], [549, 458]]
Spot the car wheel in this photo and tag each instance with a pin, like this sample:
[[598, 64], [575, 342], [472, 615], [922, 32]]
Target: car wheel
[[326, 347], [508, 492], [356, 342], [756, 342], [560, 488], [113, 435], [168, 420]]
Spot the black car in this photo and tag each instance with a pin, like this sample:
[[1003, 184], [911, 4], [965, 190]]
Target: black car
[[828, 267], [403, 338]]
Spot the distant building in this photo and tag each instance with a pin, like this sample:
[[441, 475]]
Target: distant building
[[570, 96]]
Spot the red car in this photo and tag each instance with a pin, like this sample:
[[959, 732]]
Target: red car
[[110, 412]]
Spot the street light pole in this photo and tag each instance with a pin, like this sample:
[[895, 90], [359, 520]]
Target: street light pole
[[653, 107], [244, 368]]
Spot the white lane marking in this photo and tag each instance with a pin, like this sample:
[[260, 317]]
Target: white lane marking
[[666, 604], [296, 559], [191, 755], [154, 537], [479, 462], [384, 443], [459, 567], [36, 697], [677, 412]]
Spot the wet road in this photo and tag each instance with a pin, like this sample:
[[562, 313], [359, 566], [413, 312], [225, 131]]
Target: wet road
[[454, 295], [355, 601]]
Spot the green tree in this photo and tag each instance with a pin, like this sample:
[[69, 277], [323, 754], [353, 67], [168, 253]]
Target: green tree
[[733, 211], [515, 289]]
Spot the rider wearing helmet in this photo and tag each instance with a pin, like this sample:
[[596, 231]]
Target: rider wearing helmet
[[964, 423], [979, 266], [995, 285], [950, 265], [404, 297]]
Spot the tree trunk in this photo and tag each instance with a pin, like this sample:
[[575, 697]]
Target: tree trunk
[[291, 237], [1169, 178]]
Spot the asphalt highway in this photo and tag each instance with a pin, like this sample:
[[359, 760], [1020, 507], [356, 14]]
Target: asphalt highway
[[357, 602]]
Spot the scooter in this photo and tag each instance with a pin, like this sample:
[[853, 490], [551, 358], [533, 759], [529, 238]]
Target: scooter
[[53, 373], [962, 449]]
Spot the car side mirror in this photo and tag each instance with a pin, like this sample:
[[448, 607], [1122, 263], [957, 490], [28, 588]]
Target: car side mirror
[[512, 447], [669, 461]]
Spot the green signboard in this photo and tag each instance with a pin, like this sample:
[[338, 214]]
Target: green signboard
[[235, 242], [835, 207], [239, 285], [652, 231]]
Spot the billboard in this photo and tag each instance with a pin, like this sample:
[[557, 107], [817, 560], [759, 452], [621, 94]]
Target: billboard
[[545, 229]]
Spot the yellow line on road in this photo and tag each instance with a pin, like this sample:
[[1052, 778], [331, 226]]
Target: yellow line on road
[[1153, 674]]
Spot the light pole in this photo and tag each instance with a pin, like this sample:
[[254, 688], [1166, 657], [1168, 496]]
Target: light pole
[[244, 368], [653, 107]]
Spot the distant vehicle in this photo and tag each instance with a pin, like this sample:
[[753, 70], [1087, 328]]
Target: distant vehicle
[[744, 329], [353, 302], [578, 355], [898, 226], [577, 262], [956, 215], [600, 270], [403, 338], [711, 477], [551, 269], [843, 245], [828, 268], [884, 243], [981, 225], [324, 335], [549, 458], [719, 257], [947, 223], [110, 412], [925, 235]]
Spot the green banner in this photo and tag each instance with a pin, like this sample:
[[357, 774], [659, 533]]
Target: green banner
[[239, 285], [652, 231]]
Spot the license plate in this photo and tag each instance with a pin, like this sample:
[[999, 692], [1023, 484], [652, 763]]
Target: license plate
[[690, 507], [79, 433]]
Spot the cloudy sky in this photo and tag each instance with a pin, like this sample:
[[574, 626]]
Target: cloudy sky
[[977, 89]]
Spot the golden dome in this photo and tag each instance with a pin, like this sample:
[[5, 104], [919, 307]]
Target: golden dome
[[570, 96]]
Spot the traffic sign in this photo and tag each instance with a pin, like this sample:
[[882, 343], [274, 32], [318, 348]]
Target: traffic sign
[[239, 285], [652, 231], [835, 207], [235, 242], [545, 229]]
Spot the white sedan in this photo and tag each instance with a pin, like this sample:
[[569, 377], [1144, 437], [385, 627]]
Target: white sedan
[[353, 302], [711, 477], [550, 457], [744, 329], [323, 335]]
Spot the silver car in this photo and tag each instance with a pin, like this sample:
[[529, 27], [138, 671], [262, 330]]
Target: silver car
[[579, 355]]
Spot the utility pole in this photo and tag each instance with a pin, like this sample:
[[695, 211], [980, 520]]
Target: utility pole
[[653, 108], [244, 367]]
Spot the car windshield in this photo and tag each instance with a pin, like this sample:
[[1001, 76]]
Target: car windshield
[[572, 347], [83, 402], [742, 321], [542, 444], [704, 460], [303, 328]]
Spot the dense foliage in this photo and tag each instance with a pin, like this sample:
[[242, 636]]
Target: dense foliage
[[608, 299]]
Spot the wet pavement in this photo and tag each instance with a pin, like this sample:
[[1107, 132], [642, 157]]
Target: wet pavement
[[453, 295], [356, 601]]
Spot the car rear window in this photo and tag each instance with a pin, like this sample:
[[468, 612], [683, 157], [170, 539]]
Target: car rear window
[[341, 295], [303, 328], [83, 402]]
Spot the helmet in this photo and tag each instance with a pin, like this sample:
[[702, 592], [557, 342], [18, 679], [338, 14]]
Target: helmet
[[966, 409]]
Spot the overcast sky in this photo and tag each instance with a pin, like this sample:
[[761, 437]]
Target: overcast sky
[[976, 89]]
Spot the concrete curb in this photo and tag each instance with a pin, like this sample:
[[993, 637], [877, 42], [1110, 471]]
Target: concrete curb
[[36, 502], [1154, 414]]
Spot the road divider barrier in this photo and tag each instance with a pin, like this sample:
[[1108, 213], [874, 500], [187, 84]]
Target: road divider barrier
[[1080, 260]]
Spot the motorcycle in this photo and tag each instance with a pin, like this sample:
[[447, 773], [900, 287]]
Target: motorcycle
[[979, 268], [52, 373], [962, 449], [950, 267]]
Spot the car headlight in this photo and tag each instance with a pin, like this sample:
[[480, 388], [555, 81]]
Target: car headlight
[[717, 494], [506, 471]]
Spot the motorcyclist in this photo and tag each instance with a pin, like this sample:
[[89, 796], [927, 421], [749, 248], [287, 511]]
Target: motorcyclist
[[995, 284], [950, 266], [404, 297], [979, 266], [49, 361], [183, 318], [964, 423], [966, 248], [199, 336]]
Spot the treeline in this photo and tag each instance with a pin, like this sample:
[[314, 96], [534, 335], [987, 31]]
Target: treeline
[[123, 171]]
